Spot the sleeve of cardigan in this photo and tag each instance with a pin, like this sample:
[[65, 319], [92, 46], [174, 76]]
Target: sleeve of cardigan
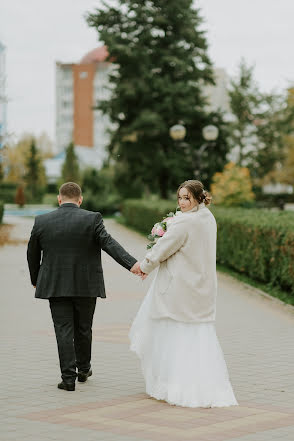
[[165, 247]]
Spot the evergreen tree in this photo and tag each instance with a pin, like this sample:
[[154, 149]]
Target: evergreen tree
[[261, 121], [70, 168], [284, 170], [34, 174], [161, 66]]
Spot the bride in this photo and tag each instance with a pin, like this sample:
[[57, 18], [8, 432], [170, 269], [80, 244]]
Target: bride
[[174, 330]]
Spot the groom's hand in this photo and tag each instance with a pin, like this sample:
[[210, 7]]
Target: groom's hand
[[137, 270]]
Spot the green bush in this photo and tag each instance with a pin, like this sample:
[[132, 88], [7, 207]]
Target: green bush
[[106, 205], [1, 211], [99, 191], [255, 242], [52, 188], [268, 200], [143, 214], [259, 243], [7, 192]]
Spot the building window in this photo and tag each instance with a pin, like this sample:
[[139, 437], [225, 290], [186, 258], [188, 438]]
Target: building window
[[83, 75]]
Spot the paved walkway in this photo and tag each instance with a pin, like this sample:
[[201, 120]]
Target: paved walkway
[[256, 335]]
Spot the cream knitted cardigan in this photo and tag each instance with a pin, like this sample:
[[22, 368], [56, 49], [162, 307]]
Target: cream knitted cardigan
[[185, 287]]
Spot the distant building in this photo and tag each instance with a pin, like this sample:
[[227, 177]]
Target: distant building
[[218, 98], [3, 97], [79, 87]]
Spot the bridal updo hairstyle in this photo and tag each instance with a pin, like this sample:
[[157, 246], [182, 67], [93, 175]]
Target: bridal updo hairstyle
[[196, 189]]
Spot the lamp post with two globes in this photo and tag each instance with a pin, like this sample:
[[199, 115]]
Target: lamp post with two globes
[[177, 132], [210, 134]]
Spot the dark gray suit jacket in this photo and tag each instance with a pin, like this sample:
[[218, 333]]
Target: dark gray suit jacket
[[64, 253]]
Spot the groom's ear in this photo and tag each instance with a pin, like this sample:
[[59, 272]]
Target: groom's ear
[[81, 200], [59, 199]]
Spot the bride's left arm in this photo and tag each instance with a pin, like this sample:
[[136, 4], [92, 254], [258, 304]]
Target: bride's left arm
[[165, 247]]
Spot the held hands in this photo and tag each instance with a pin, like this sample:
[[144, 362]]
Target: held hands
[[137, 270]]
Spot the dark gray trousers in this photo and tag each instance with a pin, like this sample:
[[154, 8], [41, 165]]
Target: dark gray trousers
[[73, 318]]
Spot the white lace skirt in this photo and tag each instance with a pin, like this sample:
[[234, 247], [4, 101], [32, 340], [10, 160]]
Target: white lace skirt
[[182, 363]]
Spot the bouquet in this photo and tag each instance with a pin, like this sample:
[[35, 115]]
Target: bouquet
[[159, 230]]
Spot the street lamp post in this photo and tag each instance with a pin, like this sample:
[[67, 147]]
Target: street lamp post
[[210, 134], [177, 132]]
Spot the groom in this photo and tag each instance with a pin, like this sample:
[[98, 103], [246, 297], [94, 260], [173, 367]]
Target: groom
[[64, 258]]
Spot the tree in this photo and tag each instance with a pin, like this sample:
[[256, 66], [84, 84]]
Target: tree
[[15, 158], [260, 122], [44, 145], [161, 66], [20, 196], [284, 172], [34, 174], [70, 168], [232, 187]]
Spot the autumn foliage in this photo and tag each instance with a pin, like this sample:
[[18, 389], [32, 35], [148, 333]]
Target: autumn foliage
[[232, 187]]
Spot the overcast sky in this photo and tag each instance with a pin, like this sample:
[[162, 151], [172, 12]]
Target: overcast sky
[[38, 33]]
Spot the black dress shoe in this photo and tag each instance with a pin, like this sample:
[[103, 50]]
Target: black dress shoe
[[66, 386], [83, 376]]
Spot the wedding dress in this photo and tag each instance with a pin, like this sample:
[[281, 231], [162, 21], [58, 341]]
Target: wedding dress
[[182, 363]]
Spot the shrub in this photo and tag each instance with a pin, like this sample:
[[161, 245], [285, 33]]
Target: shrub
[[232, 187], [259, 243], [7, 192], [99, 191], [106, 205], [143, 214], [268, 200], [52, 188]]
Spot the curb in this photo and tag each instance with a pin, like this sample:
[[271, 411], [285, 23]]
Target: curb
[[256, 291]]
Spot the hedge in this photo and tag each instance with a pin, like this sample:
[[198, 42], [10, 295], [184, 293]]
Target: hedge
[[259, 243], [7, 192], [106, 205], [256, 242], [143, 214], [1, 211]]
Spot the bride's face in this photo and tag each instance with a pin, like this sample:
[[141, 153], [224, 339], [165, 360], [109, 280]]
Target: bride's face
[[186, 200]]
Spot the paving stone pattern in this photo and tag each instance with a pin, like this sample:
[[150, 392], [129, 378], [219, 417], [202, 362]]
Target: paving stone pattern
[[256, 335]]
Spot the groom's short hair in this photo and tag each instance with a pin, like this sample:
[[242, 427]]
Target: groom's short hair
[[70, 190]]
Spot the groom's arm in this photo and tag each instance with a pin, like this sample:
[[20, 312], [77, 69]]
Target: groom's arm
[[34, 255], [111, 246]]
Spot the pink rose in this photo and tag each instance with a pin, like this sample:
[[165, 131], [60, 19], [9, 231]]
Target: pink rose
[[160, 231]]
